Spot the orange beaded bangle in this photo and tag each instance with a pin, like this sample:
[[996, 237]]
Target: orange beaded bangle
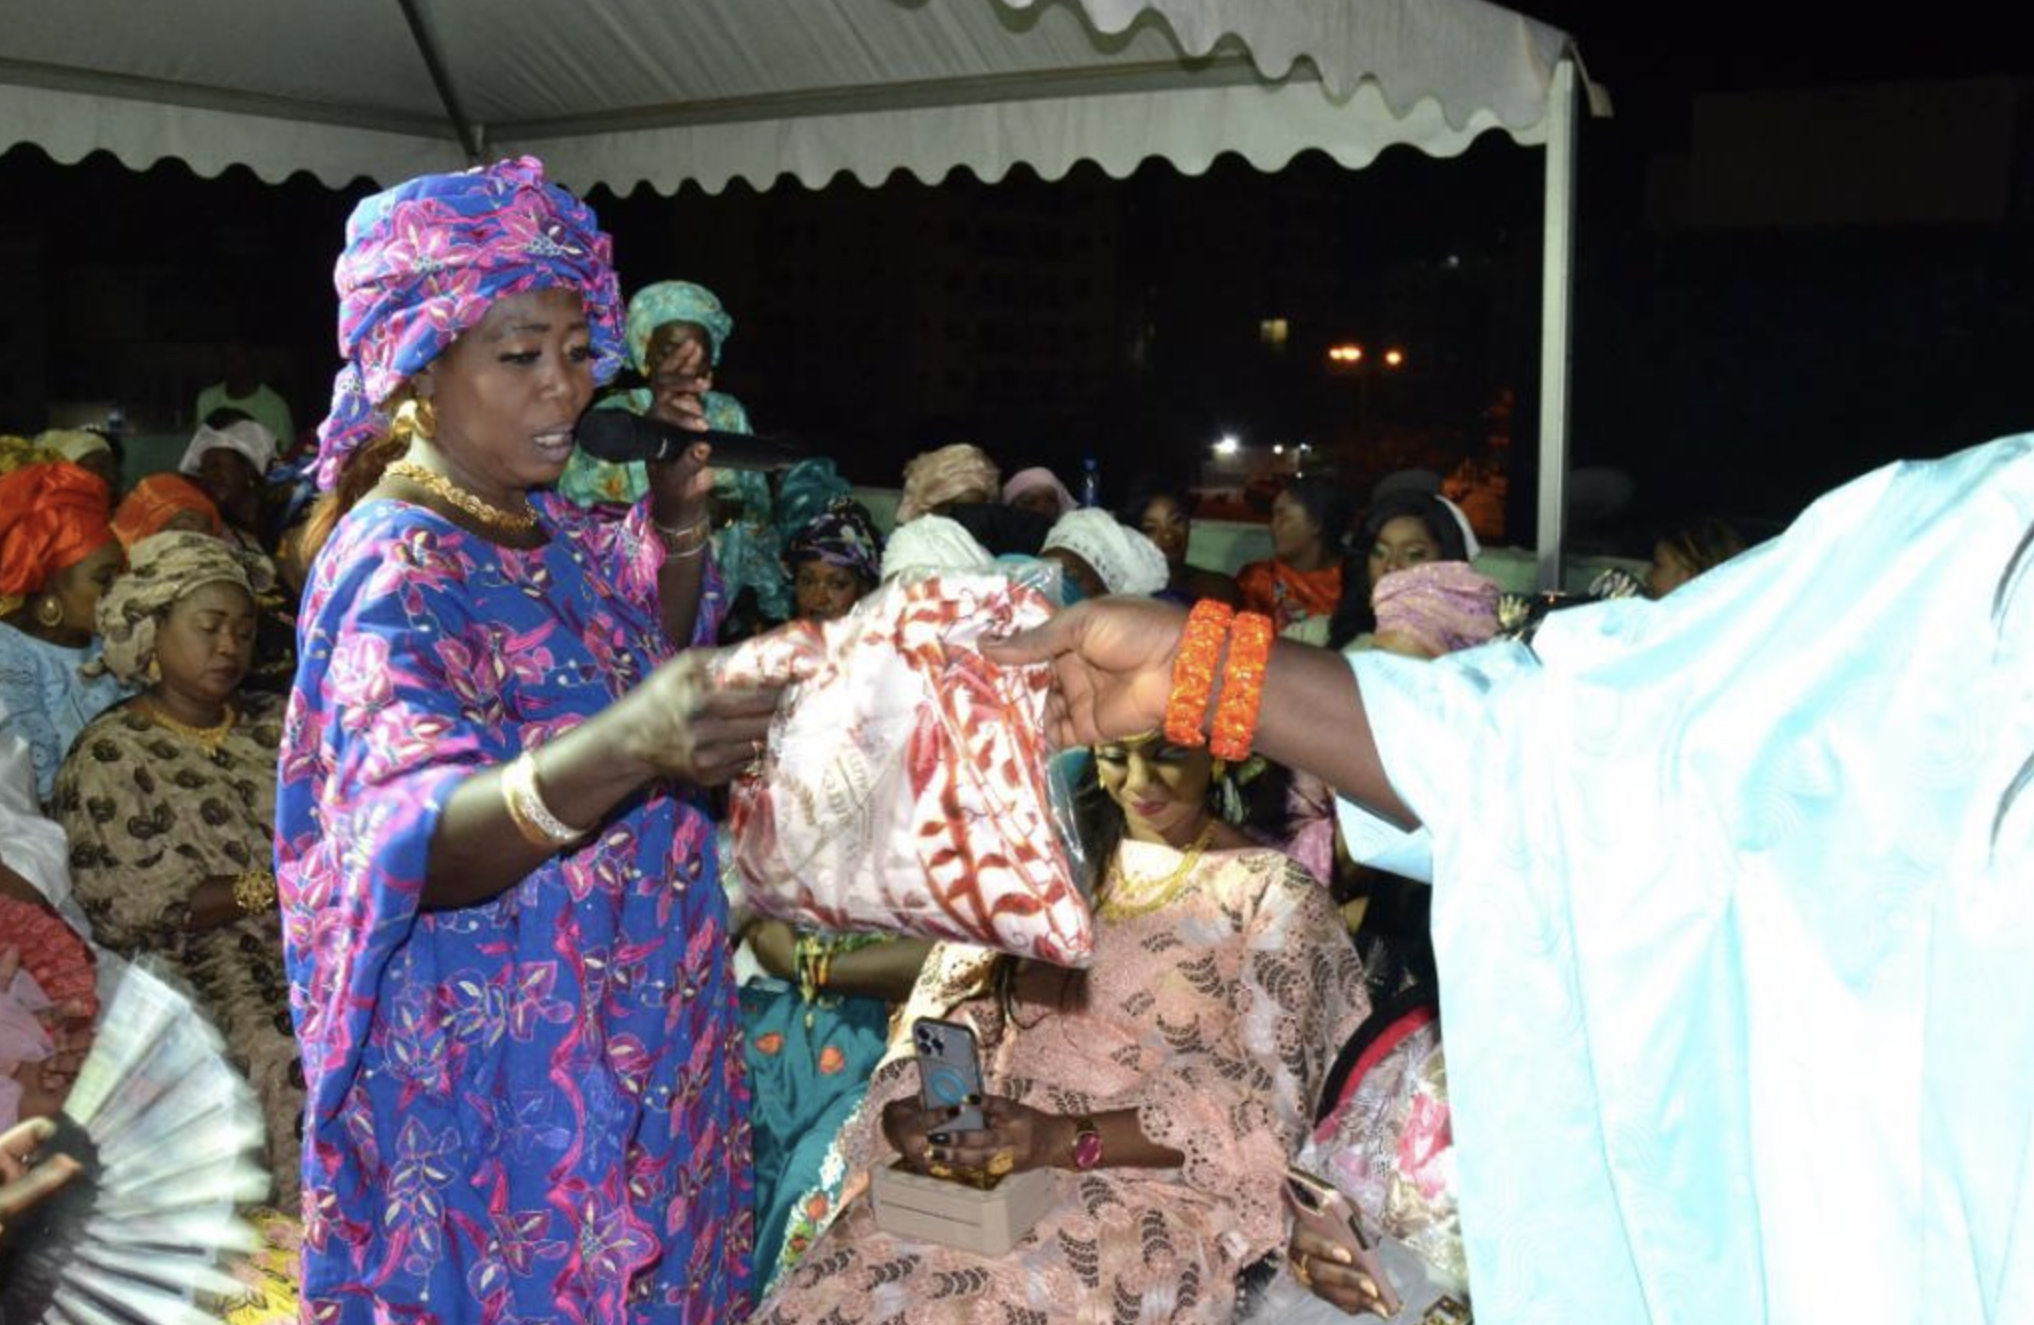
[[1193, 673], [1242, 687]]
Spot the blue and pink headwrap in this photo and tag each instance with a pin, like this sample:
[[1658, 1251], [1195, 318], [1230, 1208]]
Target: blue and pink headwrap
[[426, 259]]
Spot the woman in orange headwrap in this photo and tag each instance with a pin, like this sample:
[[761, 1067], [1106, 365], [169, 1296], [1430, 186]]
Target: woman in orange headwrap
[[57, 555], [161, 503]]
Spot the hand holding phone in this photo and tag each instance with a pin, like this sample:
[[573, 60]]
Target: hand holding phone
[[949, 1070], [1325, 1217]]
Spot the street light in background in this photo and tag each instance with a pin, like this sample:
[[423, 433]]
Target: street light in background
[[1228, 445], [1348, 359]]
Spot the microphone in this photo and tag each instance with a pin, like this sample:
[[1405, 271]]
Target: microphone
[[617, 435]]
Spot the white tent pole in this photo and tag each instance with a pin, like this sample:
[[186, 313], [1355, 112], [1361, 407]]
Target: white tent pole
[[1556, 296]]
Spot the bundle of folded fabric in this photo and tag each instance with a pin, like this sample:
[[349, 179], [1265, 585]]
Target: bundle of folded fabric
[[904, 785]]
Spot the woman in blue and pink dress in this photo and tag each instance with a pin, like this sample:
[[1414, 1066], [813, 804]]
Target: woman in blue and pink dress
[[506, 939]]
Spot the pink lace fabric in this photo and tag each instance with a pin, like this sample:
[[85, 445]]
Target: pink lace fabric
[[904, 788], [1215, 1018]]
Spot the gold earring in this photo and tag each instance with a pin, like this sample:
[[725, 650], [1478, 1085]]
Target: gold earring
[[153, 672], [49, 613], [415, 418]]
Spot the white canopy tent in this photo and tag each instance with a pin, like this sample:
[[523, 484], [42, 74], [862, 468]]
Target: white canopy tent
[[625, 91]]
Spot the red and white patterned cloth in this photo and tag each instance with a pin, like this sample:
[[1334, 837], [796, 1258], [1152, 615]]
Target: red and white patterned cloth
[[904, 785]]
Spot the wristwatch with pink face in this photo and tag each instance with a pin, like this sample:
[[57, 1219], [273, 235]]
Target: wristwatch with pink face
[[1087, 1144]]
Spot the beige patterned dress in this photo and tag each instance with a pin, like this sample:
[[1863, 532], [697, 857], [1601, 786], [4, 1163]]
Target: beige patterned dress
[[1215, 1018], [150, 814]]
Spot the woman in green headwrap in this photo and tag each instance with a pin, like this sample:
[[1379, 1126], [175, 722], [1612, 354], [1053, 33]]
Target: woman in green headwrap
[[673, 328], [665, 321]]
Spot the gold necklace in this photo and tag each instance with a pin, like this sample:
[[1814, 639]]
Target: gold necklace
[[209, 737], [1129, 896], [481, 509]]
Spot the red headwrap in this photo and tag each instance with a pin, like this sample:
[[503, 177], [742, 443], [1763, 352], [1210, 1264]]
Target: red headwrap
[[51, 517], [155, 501]]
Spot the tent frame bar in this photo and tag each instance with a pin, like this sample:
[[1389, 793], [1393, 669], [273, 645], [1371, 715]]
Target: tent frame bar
[[197, 96], [1557, 289], [923, 94], [441, 79]]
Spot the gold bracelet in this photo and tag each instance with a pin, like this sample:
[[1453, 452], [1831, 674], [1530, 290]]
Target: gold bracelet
[[254, 891], [526, 808], [700, 530]]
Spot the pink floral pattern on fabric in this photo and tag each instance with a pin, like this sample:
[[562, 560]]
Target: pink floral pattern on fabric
[[531, 1108], [1215, 1018]]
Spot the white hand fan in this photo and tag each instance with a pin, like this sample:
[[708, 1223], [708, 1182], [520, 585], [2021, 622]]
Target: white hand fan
[[167, 1132]]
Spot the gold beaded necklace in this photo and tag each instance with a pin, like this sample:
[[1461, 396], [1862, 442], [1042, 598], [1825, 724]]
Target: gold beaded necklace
[[481, 509], [211, 738], [1129, 896]]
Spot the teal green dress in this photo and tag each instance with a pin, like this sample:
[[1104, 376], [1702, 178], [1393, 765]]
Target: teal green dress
[[810, 1055]]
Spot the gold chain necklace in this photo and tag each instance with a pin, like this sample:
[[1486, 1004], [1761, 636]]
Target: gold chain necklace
[[209, 737], [1129, 896], [481, 509]]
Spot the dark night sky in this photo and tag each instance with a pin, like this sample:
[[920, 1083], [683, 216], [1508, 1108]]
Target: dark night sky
[[1735, 371]]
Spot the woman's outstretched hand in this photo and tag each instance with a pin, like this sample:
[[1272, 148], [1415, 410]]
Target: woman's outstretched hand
[[682, 723], [1112, 666]]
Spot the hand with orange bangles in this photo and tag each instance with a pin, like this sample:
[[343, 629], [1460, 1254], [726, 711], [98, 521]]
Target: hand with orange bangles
[[1113, 665]]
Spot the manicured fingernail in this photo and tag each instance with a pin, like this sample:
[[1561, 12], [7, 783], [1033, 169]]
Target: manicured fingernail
[[1342, 1256], [939, 1138]]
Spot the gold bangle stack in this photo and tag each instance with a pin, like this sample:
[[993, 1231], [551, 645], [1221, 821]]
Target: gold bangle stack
[[526, 808], [254, 891]]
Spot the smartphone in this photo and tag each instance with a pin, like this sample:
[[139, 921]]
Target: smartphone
[[949, 1070], [1322, 1210]]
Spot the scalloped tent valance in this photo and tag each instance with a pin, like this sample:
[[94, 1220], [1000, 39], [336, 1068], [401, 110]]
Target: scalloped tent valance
[[665, 91], [623, 92]]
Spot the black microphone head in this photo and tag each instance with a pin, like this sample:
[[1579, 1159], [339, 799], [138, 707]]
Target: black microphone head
[[619, 436]]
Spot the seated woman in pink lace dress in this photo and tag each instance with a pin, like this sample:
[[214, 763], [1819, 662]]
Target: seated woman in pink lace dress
[[1167, 1084]]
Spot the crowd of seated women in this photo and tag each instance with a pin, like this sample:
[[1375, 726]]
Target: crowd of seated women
[[1255, 1000]]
